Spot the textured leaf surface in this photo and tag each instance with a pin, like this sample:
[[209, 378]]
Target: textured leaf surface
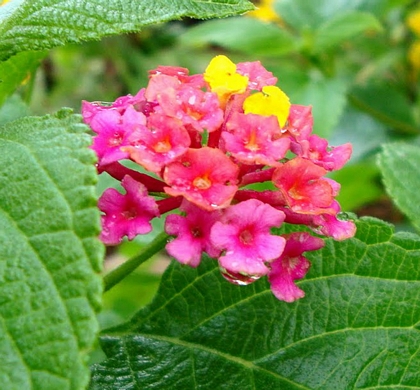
[[49, 254], [43, 24], [357, 327], [399, 164]]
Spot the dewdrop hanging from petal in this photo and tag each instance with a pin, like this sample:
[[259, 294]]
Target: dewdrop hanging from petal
[[200, 143]]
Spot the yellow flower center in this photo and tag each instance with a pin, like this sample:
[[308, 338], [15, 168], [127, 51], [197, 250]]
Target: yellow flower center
[[202, 182], [271, 101], [162, 146]]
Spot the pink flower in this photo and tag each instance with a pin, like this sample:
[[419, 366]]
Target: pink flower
[[300, 122], [126, 215], [243, 233], [258, 76], [114, 131], [303, 187], [317, 150], [291, 265], [91, 112], [330, 225], [182, 74], [205, 177], [161, 142], [251, 139], [193, 234], [194, 108]]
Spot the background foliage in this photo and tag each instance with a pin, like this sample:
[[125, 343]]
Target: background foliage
[[358, 325]]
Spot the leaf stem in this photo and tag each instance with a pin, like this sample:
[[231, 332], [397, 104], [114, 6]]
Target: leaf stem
[[125, 269]]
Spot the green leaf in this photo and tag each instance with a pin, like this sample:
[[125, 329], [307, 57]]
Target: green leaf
[[43, 24], [304, 14], [342, 28], [387, 104], [357, 327], [234, 34], [399, 164], [50, 257], [14, 108], [352, 179], [327, 96], [15, 70]]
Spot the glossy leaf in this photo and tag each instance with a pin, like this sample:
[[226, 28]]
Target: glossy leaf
[[43, 24], [357, 327], [399, 164], [50, 257]]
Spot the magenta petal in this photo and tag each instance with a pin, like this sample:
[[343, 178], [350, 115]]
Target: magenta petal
[[126, 215], [243, 234], [193, 234], [291, 265]]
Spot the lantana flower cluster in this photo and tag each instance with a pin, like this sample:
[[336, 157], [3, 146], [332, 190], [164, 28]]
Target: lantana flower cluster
[[205, 145]]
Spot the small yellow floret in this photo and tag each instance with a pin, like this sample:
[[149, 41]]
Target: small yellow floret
[[3, 2], [265, 12], [223, 79], [414, 55], [413, 22], [271, 101]]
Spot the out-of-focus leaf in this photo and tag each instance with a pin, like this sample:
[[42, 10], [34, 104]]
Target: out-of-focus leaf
[[357, 327], [359, 185], [327, 96], [304, 14], [343, 27], [50, 257], [365, 133], [399, 164], [16, 69], [386, 104], [246, 35], [43, 24]]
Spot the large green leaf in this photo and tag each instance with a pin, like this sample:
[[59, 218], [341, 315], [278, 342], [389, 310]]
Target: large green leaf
[[357, 327], [49, 254], [246, 35], [399, 164], [43, 24]]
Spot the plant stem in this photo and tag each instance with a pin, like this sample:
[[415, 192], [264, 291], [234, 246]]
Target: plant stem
[[125, 269]]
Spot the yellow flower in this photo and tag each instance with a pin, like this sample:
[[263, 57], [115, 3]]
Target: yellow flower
[[265, 12], [4, 2], [413, 22], [271, 101], [414, 55], [221, 75]]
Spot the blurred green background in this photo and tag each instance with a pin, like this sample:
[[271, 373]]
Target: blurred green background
[[357, 62]]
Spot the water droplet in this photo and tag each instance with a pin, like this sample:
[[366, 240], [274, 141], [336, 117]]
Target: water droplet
[[238, 278]]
